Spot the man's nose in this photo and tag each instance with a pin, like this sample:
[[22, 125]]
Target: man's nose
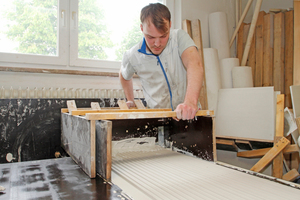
[[157, 42]]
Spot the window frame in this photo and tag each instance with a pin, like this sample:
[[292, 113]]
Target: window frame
[[67, 37]]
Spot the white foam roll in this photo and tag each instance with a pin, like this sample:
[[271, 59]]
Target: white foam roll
[[212, 75], [242, 77], [226, 66], [218, 33]]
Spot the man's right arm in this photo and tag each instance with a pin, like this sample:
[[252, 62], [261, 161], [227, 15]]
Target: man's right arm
[[128, 90]]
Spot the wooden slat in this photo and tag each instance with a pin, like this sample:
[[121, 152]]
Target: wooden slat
[[240, 47], [291, 175], [251, 32], [139, 104], [277, 170], [186, 26], [197, 37], [278, 74], [95, 106], [268, 157], [268, 36], [296, 42], [141, 115], [71, 105], [122, 104], [83, 112], [259, 46], [245, 35], [289, 56], [258, 153], [251, 61]]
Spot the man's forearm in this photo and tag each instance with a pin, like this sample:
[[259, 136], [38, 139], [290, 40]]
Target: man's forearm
[[127, 87]]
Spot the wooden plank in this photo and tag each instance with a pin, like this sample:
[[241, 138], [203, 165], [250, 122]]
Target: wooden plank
[[278, 74], [246, 139], [240, 48], [186, 26], [104, 148], [296, 73], [251, 32], [139, 104], [291, 175], [93, 148], [277, 170], [83, 112], [141, 115], [228, 145], [71, 105], [270, 155], [77, 138], [289, 56], [259, 46], [122, 104], [258, 153], [197, 37], [268, 36]]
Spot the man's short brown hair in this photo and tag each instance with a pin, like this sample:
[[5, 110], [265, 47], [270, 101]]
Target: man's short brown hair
[[157, 14]]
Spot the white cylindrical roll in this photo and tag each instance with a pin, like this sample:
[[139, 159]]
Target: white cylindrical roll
[[242, 77], [226, 66], [213, 77], [218, 34]]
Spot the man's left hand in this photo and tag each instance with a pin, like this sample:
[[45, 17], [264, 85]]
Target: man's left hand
[[186, 111]]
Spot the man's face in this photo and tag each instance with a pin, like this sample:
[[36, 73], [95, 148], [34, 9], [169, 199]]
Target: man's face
[[156, 41]]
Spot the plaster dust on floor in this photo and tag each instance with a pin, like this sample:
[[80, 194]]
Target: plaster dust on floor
[[144, 170]]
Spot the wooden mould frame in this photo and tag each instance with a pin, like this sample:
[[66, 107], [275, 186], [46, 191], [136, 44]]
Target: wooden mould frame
[[87, 134]]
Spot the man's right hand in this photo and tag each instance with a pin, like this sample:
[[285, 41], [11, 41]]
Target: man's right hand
[[130, 104]]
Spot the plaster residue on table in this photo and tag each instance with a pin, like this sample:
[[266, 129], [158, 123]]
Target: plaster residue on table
[[164, 174]]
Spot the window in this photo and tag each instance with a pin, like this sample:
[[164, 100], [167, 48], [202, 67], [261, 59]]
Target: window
[[75, 33]]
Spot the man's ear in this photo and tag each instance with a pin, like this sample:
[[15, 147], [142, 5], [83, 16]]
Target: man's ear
[[170, 24], [141, 25]]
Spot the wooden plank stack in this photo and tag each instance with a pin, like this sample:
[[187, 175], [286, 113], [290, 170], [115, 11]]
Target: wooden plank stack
[[271, 52]]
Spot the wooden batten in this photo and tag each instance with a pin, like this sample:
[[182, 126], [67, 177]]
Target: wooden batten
[[270, 155], [279, 134], [259, 53], [296, 42], [187, 27], [122, 104], [289, 56], [278, 74], [251, 62], [240, 45], [268, 50], [197, 37]]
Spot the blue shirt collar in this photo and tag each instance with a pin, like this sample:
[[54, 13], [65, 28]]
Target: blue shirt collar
[[143, 48]]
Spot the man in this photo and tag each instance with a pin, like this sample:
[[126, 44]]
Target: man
[[167, 62]]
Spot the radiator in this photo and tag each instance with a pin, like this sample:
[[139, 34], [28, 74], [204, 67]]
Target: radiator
[[36, 92]]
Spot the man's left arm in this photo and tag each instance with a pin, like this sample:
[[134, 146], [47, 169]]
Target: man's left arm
[[193, 63]]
